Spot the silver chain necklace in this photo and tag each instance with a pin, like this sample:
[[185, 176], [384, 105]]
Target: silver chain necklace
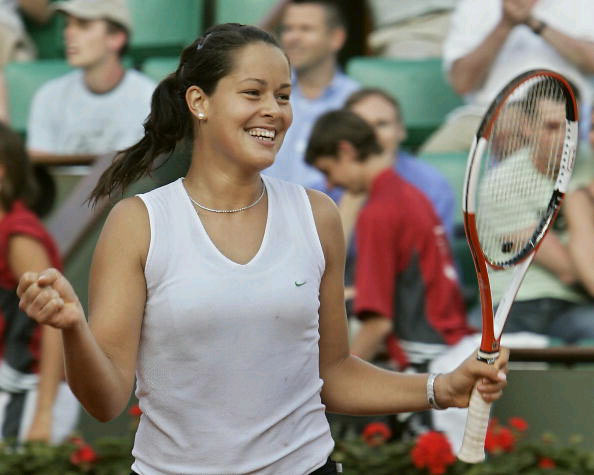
[[227, 210]]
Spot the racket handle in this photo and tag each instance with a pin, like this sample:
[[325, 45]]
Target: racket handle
[[477, 421]]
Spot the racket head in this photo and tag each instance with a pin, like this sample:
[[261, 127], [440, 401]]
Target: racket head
[[517, 173]]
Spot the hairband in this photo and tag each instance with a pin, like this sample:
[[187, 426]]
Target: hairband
[[202, 42]]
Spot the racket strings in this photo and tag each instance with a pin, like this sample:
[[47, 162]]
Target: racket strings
[[519, 169]]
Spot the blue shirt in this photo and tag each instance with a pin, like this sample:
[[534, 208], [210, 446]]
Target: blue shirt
[[433, 185], [289, 163]]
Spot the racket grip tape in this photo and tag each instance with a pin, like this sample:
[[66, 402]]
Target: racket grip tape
[[477, 421]]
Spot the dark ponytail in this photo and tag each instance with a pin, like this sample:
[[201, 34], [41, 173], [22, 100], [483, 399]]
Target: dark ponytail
[[203, 63], [167, 123]]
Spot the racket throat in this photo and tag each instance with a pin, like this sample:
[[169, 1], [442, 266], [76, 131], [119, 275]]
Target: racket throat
[[508, 298]]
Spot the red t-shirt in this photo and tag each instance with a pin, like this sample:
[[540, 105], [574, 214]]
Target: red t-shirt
[[20, 337], [405, 270]]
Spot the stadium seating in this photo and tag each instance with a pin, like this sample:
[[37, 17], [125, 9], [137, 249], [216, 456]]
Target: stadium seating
[[164, 28], [159, 67], [23, 80], [419, 85], [242, 11]]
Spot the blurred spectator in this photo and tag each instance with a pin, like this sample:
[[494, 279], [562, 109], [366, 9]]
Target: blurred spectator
[[492, 41], [579, 212], [312, 34], [100, 107], [508, 138], [15, 44], [410, 29], [383, 113], [35, 403], [406, 285], [551, 301]]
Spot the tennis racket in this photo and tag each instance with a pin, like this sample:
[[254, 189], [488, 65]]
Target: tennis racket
[[517, 173]]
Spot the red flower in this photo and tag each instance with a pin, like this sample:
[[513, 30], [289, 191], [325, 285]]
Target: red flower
[[433, 450], [376, 433], [546, 462], [499, 439], [518, 423], [135, 411], [506, 439], [491, 444], [83, 455]]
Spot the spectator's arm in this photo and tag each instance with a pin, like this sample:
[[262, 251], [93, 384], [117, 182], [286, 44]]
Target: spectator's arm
[[26, 254], [579, 52], [371, 336], [375, 274], [37, 10], [554, 256], [469, 71], [579, 211]]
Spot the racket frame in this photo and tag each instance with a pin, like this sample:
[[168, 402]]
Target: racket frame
[[472, 450], [493, 326]]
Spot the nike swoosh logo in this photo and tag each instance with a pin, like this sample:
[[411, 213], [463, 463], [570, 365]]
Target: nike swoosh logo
[[299, 284]]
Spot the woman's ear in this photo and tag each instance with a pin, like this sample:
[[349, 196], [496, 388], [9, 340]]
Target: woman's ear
[[197, 102]]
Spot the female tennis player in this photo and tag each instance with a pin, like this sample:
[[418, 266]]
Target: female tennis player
[[223, 291]]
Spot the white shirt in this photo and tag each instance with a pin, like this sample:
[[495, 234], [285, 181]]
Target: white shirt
[[386, 12], [523, 50], [228, 363], [538, 282], [67, 118]]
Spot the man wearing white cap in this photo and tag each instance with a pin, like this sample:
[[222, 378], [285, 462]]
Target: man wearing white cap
[[100, 107]]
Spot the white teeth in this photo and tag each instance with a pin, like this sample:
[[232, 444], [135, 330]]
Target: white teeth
[[264, 133]]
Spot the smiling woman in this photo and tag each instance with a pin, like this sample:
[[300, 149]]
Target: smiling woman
[[222, 292]]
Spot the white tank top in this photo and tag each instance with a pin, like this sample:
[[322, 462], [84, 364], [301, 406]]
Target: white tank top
[[228, 365]]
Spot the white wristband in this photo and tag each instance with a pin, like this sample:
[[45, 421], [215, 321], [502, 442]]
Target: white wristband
[[431, 391]]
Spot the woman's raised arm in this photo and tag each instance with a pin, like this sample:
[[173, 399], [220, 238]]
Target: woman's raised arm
[[100, 356]]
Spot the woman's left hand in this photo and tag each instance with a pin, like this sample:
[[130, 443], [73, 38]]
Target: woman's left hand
[[454, 389]]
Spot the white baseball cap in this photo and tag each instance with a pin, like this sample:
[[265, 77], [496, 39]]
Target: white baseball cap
[[113, 10]]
